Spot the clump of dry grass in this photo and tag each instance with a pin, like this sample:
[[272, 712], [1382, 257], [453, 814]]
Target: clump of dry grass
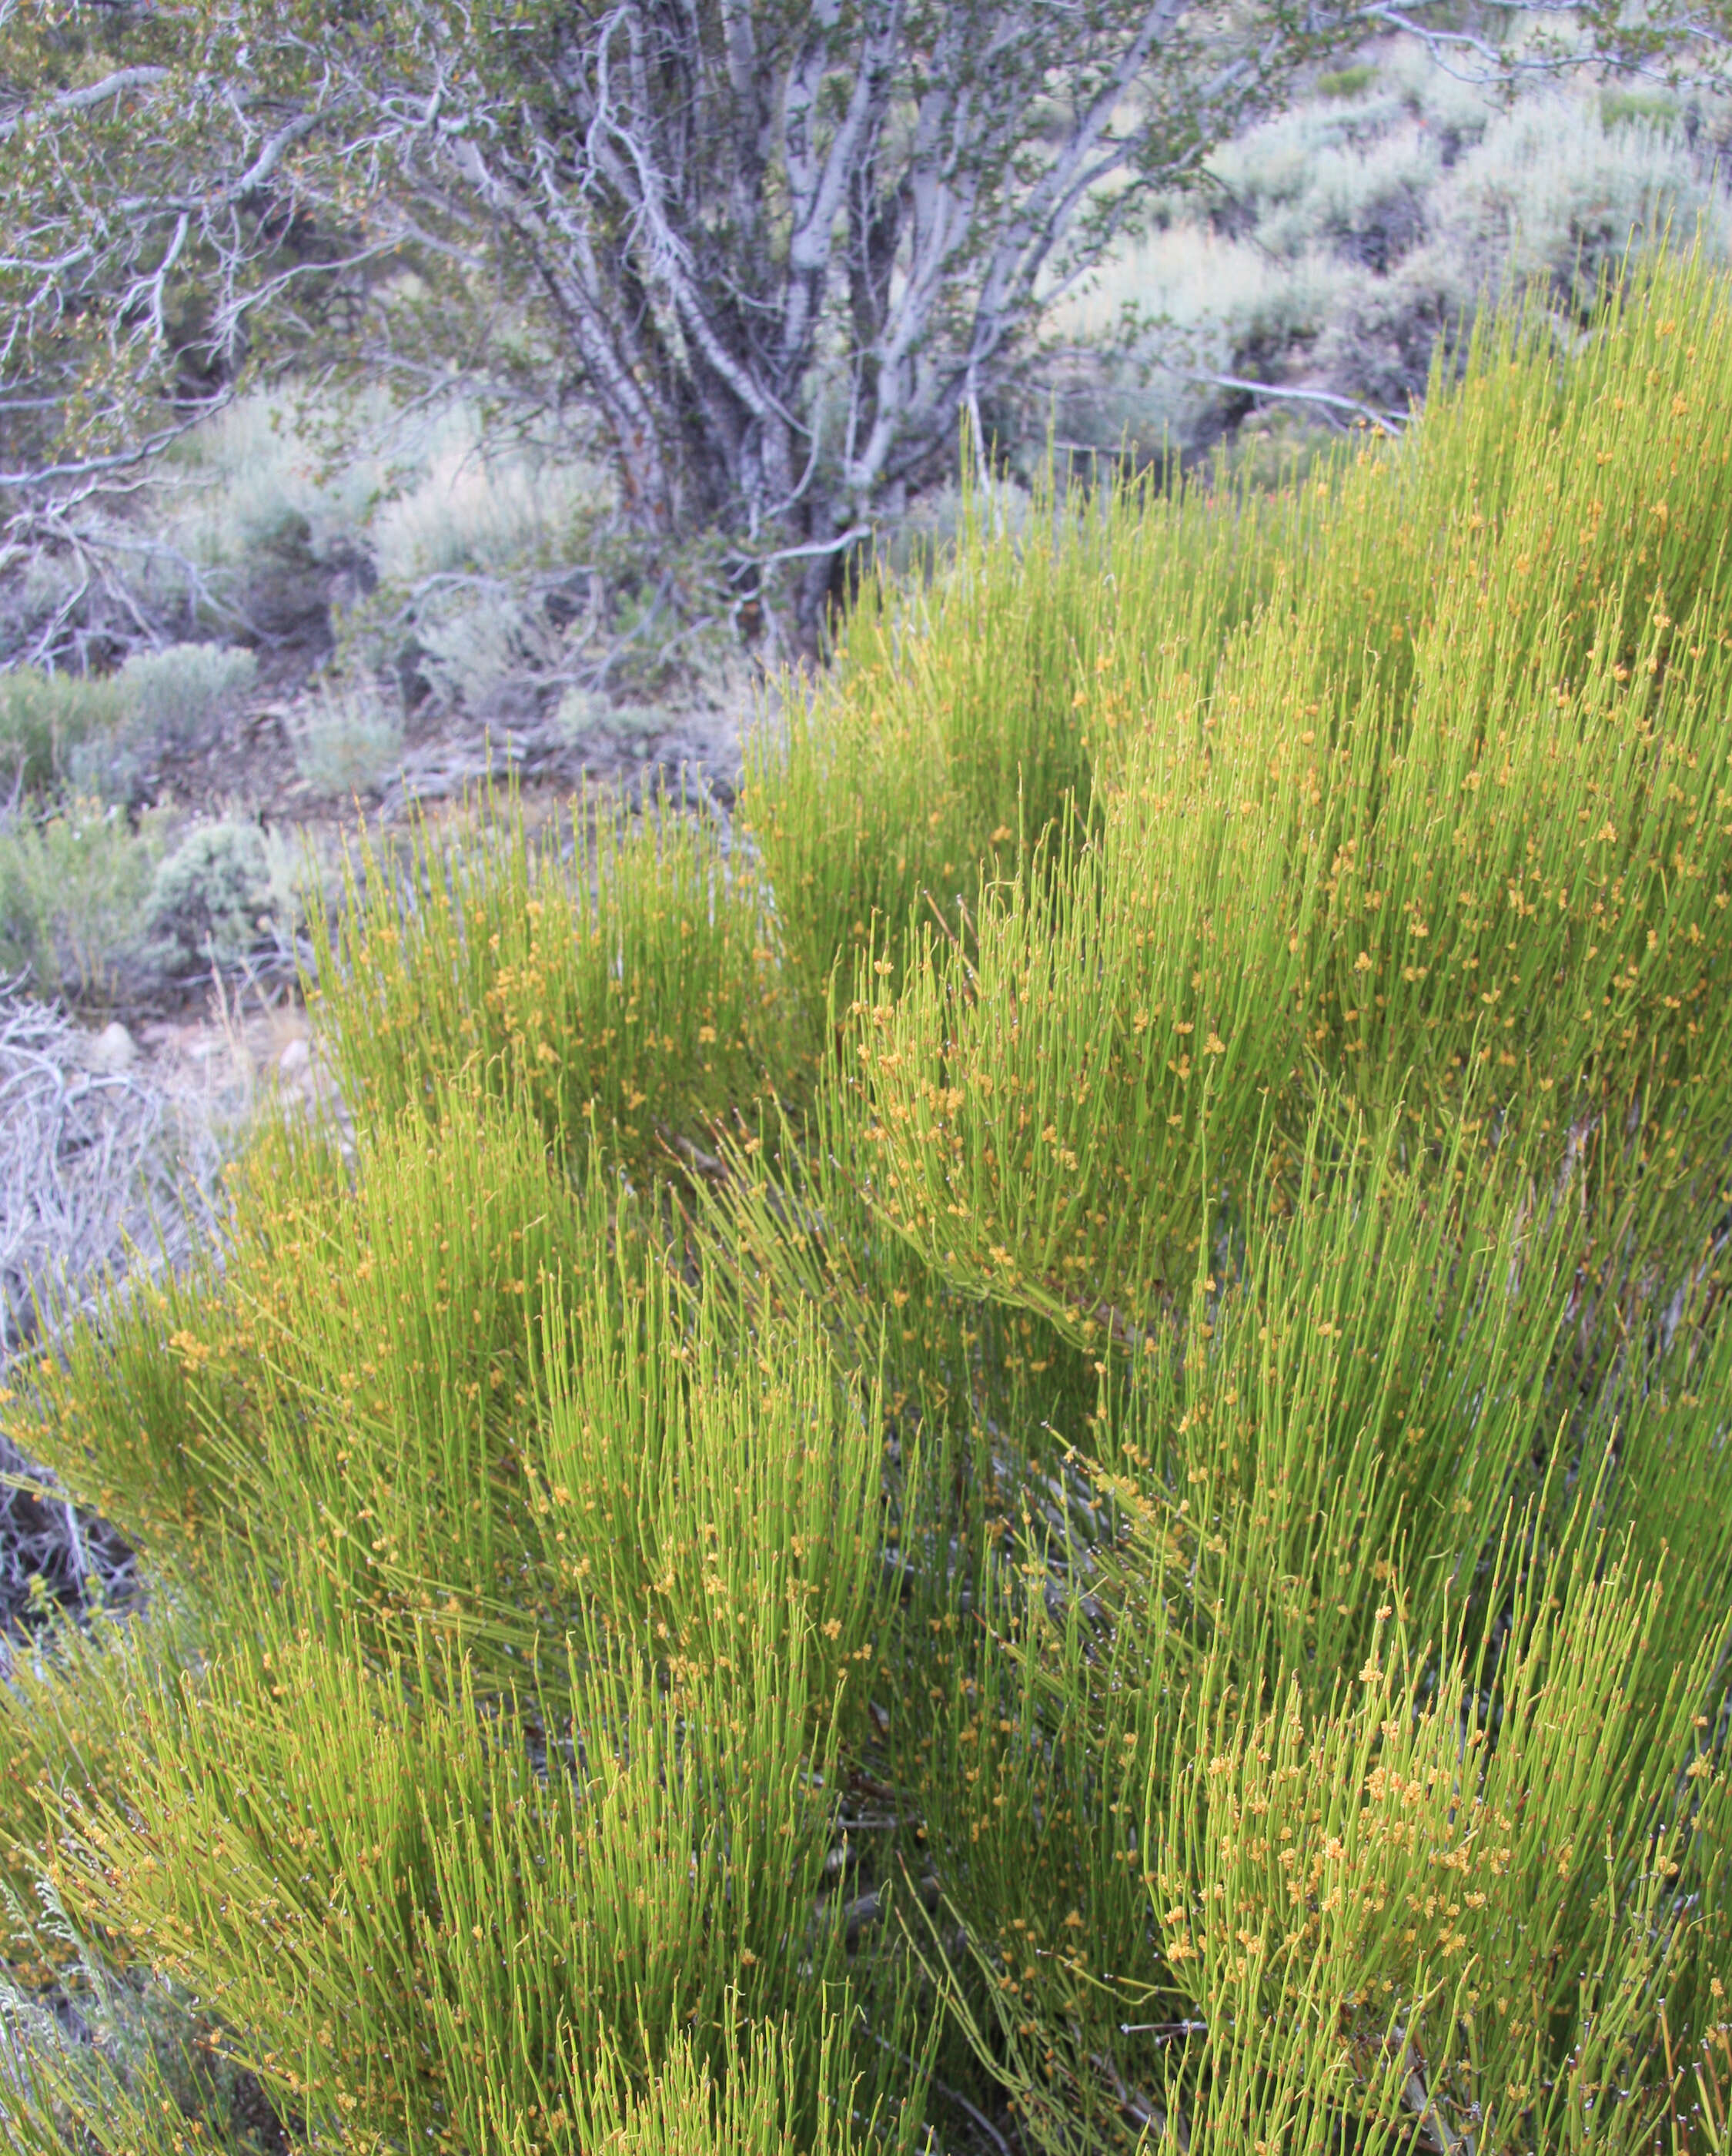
[[100, 1170]]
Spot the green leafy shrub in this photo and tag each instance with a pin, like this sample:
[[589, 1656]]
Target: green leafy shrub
[[1658, 106], [723, 1510], [951, 735], [101, 732], [638, 996], [73, 888], [1102, 1524], [44, 717], [1373, 860], [1347, 81]]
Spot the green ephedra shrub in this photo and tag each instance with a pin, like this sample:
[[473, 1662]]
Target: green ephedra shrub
[[1034, 1457]]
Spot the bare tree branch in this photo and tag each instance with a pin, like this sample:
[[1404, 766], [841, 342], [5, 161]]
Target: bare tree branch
[[81, 100], [1389, 421]]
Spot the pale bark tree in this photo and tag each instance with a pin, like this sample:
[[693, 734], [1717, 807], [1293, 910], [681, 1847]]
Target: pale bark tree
[[777, 248]]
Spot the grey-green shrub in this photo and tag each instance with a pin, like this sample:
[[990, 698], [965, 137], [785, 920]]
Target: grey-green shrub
[[173, 697], [347, 740], [214, 896], [1351, 232], [166, 704]]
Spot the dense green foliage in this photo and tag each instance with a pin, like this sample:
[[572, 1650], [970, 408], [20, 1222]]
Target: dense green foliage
[[1037, 1454]]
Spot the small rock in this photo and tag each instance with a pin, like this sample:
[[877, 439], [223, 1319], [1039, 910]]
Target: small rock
[[294, 1059], [112, 1049]]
